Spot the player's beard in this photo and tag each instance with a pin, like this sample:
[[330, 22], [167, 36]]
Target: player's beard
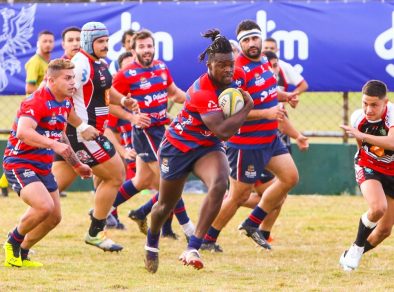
[[143, 62], [255, 54]]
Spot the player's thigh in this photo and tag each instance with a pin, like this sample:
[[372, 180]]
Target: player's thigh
[[212, 168], [239, 191], [284, 168], [373, 193], [64, 174], [112, 169], [143, 172], [37, 196]]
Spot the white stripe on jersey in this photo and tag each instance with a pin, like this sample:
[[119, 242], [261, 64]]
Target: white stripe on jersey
[[101, 111]]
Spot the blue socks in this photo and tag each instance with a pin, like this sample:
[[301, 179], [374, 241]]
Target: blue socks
[[256, 217], [126, 191]]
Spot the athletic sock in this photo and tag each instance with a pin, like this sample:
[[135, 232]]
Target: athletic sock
[[115, 213], [145, 209], [368, 246], [126, 191], [256, 217], [212, 235], [188, 228], [16, 238], [167, 226], [96, 226], [24, 253], [194, 243], [152, 239], [266, 234], [365, 228], [180, 212]]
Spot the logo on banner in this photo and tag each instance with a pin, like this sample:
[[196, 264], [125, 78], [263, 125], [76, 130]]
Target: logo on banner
[[289, 39], [164, 44], [384, 46], [14, 36]]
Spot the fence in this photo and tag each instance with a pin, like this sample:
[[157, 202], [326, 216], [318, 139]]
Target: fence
[[318, 114]]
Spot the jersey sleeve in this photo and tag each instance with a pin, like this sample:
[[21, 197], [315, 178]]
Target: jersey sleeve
[[120, 83], [32, 71], [31, 108], [169, 77], [205, 102], [81, 70], [240, 78], [356, 118], [291, 74], [390, 114]]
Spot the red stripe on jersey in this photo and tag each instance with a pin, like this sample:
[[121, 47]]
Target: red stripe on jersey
[[252, 140]]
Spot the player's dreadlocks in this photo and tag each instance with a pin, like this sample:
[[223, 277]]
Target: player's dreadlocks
[[219, 44]]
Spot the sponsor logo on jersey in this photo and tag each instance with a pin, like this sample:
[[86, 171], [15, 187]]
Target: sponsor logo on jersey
[[259, 80], [144, 83], [246, 68]]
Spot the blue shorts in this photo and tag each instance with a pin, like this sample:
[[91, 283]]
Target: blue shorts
[[248, 165], [20, 177], [175, 164], [146, 142]]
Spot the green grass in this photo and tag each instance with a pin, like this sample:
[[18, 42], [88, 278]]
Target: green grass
[[309, 237]]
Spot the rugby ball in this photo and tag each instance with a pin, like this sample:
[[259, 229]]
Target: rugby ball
[[230, 101]]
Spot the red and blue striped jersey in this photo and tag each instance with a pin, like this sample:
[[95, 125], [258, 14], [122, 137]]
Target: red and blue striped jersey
[[148, 86], [261, 84], [188, 131], [51, 117], [123, 127]]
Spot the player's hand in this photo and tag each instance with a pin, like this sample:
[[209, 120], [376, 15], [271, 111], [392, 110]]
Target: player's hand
[[248, 100], [302, 142], [90, 133], [141, 120], [292, 99], [275, 113], [83, 170], [131, 103], [129, 153], [353, 132], [62, 149]]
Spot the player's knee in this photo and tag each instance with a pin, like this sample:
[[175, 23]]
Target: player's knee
[[46, 209], [218, 187], [377, 211], [55, 219]]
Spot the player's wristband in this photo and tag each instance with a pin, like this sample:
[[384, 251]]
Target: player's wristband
[[82, 127], [122, 100]]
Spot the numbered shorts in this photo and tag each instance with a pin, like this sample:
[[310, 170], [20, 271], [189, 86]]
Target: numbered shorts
[[248, 165], [20, 177], [176, 164], [364, 173], [92, 152], [146, 142]]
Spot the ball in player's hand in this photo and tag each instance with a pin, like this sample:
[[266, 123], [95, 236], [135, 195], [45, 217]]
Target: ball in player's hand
[[230, 101]]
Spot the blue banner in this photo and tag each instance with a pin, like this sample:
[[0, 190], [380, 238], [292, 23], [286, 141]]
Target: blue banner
[[336, 46]]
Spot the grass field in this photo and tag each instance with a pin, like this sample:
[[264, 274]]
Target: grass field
[[308, 240]]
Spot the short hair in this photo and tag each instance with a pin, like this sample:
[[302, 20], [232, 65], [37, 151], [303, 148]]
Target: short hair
[[57, 65], [270, 55], [70, 28], [247, 25], [375, 88], [141, 35], [220, 44], [271, 40], [129, 32], [124, 56], [43, 32]]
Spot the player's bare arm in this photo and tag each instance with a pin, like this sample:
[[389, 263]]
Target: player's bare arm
[[119, 99], [87, 132], [176, 94], [385, 142], [225, 128]]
